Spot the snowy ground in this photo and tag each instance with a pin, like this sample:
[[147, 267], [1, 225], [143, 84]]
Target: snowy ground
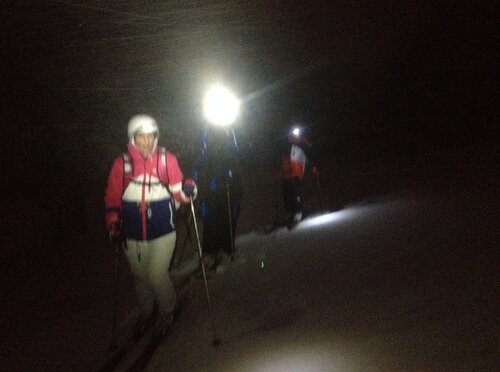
[[394, 281], [398, 284]]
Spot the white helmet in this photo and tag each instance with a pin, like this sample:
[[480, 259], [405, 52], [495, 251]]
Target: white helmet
[[142, 123]]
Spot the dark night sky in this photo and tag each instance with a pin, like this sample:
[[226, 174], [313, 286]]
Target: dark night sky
[[371, 77]]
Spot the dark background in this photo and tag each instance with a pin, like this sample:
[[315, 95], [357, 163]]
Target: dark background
[[397, 96], [373, 80]]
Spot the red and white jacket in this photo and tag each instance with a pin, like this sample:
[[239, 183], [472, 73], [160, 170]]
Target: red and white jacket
[[145, 199], [294, 159]]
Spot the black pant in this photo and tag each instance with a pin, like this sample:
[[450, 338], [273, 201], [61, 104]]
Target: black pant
[[292, 200], [216, 231]]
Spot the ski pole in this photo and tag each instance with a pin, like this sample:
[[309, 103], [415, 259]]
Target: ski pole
[[319, 194], [116, 244], [215, 341], [230, 219], [276, 207]]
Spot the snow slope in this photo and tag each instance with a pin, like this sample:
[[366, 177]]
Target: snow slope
[[402, 283], [405, 281]]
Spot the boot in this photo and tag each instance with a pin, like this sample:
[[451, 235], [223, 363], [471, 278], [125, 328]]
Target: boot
[[142, 324], [162, 325]]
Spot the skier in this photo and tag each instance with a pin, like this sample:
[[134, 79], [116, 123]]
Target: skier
[[219, 176], [144, 186], [294, 159]]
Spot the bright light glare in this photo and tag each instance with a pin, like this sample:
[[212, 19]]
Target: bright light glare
[[326, 218], [296, 132], [220, 106], [321, 220]]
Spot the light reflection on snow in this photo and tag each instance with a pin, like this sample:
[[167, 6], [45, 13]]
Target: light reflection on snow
[[290, 351], [327, 218]]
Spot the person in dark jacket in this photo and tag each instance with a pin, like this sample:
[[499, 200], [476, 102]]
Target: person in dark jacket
[[219, 176]]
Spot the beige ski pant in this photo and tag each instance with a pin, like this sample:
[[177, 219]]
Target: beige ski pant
[[149, 262]]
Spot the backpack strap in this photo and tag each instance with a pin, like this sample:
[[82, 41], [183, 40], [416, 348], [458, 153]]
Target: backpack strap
[[127, 170], [162, 168]]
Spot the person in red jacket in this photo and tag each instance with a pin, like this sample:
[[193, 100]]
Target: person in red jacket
[[294, 159], [144, 187]]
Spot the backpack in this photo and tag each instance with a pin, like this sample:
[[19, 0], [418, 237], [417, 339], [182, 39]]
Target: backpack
[[161, 168]]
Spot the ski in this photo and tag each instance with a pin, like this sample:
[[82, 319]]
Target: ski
[[122, 351], [136, 348], [144, 354], [139, 356]]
